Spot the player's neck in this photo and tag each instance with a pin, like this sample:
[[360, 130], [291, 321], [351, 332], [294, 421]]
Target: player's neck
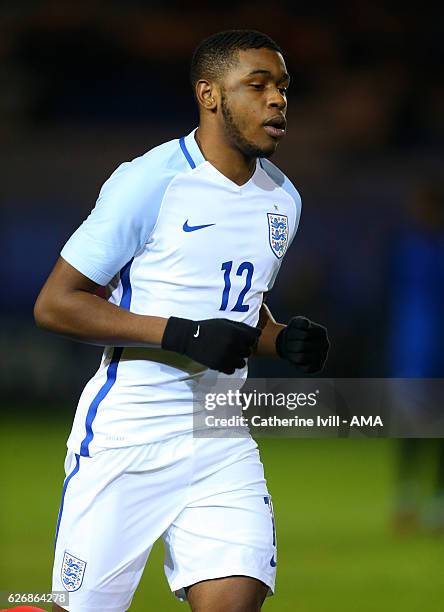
[[225, 158]]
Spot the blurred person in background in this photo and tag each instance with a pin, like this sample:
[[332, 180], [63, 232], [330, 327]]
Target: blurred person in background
[[415, 349]]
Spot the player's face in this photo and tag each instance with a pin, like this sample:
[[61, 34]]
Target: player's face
[[253, 94]]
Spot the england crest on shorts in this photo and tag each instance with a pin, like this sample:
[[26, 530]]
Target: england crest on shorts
[[73, 570], [278, 233]]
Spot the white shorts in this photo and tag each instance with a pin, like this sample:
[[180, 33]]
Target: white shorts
[[207, 498]]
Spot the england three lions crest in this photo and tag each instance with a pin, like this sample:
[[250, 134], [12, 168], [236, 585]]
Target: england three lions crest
[[73, 570], [278, 233]]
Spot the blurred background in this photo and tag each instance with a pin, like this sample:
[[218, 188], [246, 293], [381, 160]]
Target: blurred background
[[87, 85]]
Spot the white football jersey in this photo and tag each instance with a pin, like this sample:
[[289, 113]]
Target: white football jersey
[[172, 236]]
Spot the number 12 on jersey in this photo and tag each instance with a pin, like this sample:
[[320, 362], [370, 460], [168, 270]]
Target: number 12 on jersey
[[245, 266]]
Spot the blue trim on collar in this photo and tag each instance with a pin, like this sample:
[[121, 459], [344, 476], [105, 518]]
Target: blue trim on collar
[[190, 160], [191, 149]]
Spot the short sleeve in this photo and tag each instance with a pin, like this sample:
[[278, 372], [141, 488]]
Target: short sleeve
[[294, 193], [121, 222]]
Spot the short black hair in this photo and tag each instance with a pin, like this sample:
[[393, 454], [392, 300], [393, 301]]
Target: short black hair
[[214, 55]]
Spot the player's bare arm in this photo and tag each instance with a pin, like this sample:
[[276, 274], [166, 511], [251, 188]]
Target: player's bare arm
[[266, 346], [68, 305], [302, 342]]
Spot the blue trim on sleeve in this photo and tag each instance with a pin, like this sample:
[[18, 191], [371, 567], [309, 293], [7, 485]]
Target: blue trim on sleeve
[[127, 292], [111, 373], [65, 486], [186, 152]]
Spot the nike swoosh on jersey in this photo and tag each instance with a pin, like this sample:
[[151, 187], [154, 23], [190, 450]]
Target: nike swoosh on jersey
[[193, 228], [272, 562]]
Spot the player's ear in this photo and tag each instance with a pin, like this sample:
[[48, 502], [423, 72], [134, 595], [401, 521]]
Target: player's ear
[[206, 95]]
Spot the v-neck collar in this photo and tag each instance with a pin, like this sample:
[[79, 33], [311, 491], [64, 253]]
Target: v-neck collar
[[198, 158]]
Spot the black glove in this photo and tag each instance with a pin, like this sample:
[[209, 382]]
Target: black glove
[[303, 343], [219, 344]]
